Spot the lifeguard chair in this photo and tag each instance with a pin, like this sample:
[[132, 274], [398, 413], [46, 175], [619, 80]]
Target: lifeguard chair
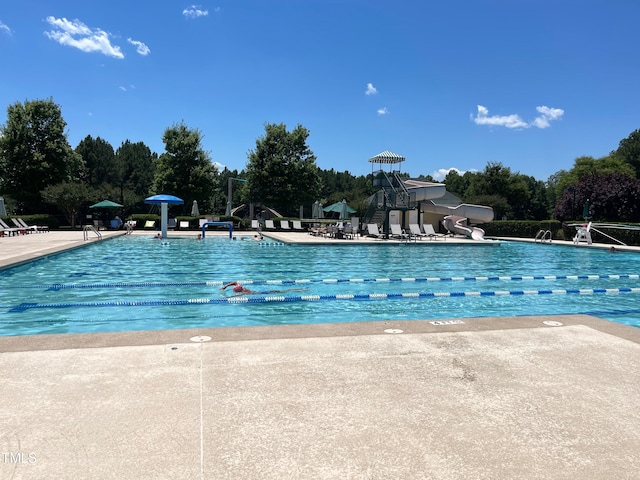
[[583, 234]]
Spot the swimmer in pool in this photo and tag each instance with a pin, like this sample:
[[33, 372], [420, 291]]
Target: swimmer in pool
[[239, 289]]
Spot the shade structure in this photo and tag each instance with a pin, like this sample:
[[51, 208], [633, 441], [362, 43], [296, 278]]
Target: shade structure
[[164, 201], [105, 204], [341, 208], [195, 212], [387, 157]]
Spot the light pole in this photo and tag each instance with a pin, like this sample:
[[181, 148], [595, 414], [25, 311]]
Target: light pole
[[230, 193]]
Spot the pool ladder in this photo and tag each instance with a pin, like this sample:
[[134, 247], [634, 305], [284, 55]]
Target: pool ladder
[[87, 228], [543, 236]]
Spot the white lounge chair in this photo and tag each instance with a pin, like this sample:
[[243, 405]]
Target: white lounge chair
[[184, 224], [372, 228], [38, 228], [431, 233], [284, 225], [255, 224], [414, 228], [297, 225], [397, 232], [268, 224]]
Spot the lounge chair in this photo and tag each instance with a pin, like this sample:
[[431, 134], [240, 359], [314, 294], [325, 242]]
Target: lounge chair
[[397, 232], [414, 228], [150, 224], [431, 233], [355, 226], [184, 224], [372, 228], [268, 224], [297, 225], [38, 228], [255, 224], [172, 223], [284, 225], [6, 229], [23, 228]]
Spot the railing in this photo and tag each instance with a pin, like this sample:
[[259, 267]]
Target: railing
[[90, 228], [543, 236]]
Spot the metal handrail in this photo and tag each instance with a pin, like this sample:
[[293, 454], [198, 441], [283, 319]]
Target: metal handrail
[[87, 228], [542, 236]]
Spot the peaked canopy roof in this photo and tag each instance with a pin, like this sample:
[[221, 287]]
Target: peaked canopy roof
[[387, 157], [105, 204]]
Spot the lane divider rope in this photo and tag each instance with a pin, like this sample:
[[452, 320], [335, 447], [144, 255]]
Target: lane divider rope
[[217, 283], [245, 299]]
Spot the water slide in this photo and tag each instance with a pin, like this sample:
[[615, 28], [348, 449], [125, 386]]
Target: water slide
[[475, 213], [457, 225]]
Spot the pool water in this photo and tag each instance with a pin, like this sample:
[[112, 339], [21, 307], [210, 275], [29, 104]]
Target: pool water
[[138, 283]]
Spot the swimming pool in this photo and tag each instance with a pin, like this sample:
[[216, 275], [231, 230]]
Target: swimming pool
[[138, 283]]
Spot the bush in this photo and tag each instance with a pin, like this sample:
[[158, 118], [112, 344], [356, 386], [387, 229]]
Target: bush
[[523, 228]]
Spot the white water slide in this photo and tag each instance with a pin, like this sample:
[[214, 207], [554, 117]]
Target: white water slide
[[455, 218]]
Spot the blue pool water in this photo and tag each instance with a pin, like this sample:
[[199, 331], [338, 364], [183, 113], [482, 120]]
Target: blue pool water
[[137, 283]]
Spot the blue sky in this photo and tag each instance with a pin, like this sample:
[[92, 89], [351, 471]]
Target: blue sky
[[532, 84]]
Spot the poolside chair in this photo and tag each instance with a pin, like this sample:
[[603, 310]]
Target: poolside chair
[[23, 228], [11, 230], [431, 233], [184, 224], [414, 228], [150, 224], [297, 225], [38, 228], [397, 232], [255, 224], [284, 225], [355, 226], [372, 228], [172, 223], [268, 224]]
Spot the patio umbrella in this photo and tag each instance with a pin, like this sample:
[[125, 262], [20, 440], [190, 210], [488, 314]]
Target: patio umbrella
[[316, 210], [586, 211], [105, 204], [341, 208], [164, 201], [194, 209]]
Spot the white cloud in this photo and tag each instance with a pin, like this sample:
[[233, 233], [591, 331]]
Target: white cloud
[[371, 90], [141, 48], [514, 120], [5, 28], [383, 111], [76, 34], [441, 173], [547, 114], [124, 89], [194, 11]]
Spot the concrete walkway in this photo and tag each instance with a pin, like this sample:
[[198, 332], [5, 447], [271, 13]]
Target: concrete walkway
[[496, 398]]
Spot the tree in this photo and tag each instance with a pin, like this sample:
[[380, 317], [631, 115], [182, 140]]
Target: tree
[[185, 169], [98, 159], [614, 197], [282, 171], [629, 151], [34, 152], [135, 166], [69, 198]]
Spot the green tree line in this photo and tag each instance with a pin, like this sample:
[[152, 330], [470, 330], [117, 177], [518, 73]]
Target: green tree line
[[41, 173]]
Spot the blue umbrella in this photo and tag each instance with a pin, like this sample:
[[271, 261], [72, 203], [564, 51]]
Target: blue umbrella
[[164, 200]]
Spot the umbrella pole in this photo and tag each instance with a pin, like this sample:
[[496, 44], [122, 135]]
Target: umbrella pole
[[164, 215]]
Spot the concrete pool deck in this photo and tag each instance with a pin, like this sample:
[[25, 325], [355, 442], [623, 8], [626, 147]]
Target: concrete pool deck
[[553, 397]]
